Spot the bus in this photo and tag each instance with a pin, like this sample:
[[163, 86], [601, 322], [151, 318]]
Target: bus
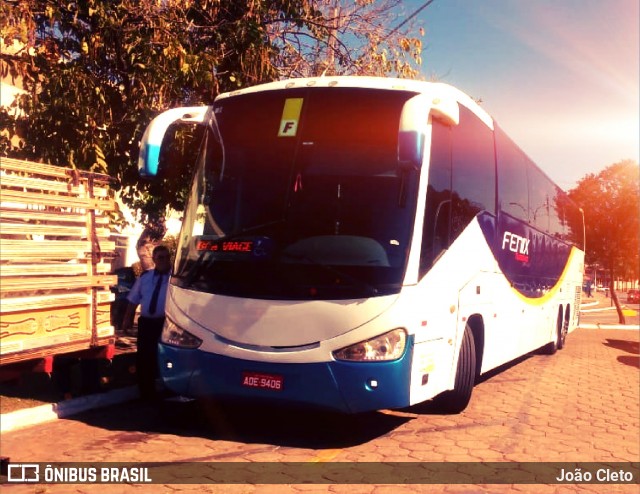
[[360, 243]]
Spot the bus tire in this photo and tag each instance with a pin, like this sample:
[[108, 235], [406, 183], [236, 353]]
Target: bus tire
[[457, 399], [563, 328], [552, 347]]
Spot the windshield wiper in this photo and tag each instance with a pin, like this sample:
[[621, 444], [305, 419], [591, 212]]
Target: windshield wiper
[[371, 290]]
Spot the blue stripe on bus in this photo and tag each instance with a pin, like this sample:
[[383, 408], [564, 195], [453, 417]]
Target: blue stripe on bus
[[343, 386]]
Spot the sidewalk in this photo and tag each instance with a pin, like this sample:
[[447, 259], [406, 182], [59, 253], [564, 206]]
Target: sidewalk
[[599, 312], [66, 408], [39, 397]]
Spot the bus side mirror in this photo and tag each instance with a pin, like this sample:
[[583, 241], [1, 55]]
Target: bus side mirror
[[446, 111], [411, 132], [149, 157], [413, 124], [410, 149]]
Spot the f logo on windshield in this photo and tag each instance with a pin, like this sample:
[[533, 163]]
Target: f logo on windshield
[[290, 117], [288, 128]]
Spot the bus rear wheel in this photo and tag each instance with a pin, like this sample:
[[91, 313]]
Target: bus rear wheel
[[562, 337], [457, 399], [558, 342]]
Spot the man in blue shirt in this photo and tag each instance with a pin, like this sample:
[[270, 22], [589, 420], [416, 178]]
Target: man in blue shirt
[[150, 292]]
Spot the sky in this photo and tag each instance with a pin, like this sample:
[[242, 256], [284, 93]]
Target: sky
[[561, 77]]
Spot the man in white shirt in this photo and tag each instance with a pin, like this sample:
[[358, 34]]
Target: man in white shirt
[[150, 292]]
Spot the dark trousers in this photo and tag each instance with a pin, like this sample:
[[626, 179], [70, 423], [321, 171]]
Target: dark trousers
[[149, 330]]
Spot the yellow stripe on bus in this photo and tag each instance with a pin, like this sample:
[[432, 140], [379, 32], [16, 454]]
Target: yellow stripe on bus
[[554, 290]]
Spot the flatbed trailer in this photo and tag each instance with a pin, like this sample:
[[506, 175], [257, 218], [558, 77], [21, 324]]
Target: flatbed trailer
[[55, 253]]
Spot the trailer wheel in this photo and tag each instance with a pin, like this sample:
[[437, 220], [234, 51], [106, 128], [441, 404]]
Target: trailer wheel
[[457, 399]]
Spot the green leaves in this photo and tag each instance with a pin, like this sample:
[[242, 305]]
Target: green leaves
[[611, 204], [95, 73]]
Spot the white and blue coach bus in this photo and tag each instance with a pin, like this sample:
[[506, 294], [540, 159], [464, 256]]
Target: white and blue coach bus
[[358, 243]]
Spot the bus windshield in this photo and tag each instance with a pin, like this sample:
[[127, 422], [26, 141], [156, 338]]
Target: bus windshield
[[302, 199]]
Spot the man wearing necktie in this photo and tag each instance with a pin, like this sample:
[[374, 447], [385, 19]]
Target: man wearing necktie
[[150, 292]]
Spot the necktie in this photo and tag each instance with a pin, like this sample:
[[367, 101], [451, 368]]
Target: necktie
[[153, 305]]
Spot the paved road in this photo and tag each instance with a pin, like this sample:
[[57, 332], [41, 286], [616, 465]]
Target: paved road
[[582, 405], [598, 310]]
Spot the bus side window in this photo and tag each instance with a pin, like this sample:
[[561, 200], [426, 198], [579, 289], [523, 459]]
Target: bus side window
[[556, 220], [473, 171], [573, 222], [437, 216], [512, 177]]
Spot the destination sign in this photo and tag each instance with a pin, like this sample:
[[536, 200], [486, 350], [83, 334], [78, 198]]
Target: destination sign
[[245, 246]]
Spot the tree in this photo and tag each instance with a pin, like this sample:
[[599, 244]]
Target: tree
[[610, 201], [95, 73], [353, 38]]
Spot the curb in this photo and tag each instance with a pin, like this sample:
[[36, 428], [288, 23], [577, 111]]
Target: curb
[[603, 309], [609, 326], [45, 413]]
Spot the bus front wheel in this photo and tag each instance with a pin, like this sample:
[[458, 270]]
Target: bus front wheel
[[457, 399]]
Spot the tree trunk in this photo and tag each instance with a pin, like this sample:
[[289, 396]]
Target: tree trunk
[[614, 297]]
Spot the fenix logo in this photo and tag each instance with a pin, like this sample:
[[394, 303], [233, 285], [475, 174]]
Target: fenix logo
[[516, 244]]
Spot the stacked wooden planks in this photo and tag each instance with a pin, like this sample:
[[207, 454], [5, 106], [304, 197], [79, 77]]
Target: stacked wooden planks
[[54, 260]]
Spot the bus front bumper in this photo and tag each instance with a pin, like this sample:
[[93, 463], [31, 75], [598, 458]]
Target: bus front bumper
[[350, 387]]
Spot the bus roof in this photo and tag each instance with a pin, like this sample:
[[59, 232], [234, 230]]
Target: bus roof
[[437, 90]]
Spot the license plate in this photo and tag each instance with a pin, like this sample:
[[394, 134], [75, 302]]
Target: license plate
[[260, 380]]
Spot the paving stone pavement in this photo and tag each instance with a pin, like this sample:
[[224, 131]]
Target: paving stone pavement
[[580, 405]]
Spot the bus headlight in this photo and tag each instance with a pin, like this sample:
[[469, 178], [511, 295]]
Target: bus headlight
[[388, 346], [174, 335]]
